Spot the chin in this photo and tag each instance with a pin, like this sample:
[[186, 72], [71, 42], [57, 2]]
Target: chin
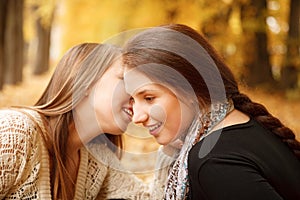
[[122, 124], [162, 141], [116, 132]]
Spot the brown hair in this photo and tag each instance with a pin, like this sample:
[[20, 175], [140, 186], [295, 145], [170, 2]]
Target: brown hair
[[77, 71], [200, 65]]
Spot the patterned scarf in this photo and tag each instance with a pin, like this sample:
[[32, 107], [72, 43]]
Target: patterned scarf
[[177, 185]]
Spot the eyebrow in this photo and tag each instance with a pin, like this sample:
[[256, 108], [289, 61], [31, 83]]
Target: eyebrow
[[145, 91]]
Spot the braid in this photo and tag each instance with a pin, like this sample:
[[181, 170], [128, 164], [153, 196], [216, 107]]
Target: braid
[[257, 111], [241, 101]]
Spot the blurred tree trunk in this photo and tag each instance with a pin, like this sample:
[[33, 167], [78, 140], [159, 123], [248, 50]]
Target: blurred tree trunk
[[216, 25], [257, 64], [290, 70], [3, 4], [41, 63], [14, 42]]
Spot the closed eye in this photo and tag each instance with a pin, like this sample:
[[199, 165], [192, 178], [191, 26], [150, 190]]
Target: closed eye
[[131, 100], [121, 77]]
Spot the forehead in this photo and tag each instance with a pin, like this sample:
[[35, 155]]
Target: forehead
[[138, 83], [134, 80]]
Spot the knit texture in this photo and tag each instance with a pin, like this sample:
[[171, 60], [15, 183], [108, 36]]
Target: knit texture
[[24, 166]]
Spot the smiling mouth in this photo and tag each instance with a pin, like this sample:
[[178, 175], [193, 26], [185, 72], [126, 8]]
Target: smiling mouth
[[153, 129], [128, 111]]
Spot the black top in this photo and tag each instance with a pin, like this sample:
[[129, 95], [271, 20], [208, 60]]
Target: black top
[[245, 162]]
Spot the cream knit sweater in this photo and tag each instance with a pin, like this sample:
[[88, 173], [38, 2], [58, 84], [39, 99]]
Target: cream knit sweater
[[24, 166]]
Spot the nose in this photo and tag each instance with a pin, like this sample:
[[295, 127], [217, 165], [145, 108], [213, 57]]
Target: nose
[[139, 115]]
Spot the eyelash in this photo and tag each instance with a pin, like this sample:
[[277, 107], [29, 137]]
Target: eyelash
[[149, 98], [131, 100]]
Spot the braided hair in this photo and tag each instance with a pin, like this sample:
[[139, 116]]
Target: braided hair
[[161, 49], [241, 101]]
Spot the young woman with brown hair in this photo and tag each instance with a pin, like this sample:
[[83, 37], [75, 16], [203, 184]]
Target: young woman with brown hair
[[233, 148]]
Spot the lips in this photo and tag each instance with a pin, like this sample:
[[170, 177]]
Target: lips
[[154, 129], [128, 111]]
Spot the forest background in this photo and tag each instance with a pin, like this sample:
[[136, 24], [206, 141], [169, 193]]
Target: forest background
[[259, 39]]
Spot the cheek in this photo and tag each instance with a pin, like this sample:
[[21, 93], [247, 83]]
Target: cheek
[[176, 120], [102, 101], [119, 95], [100, 104], [169, 114], [158, 113]]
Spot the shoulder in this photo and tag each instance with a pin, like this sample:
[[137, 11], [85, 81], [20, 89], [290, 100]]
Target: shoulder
[[235, 143], [20, 151], [14, 118], [248, 140], [17, 128], [245, 146]]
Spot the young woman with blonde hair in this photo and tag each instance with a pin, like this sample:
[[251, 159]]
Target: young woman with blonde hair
[[58, 148]]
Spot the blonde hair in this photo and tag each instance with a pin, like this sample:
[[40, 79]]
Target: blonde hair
[[78, 70]]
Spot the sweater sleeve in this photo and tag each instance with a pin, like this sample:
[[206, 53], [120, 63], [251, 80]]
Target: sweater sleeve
[[162, 166], [121, 184], [124, 185], [16, 146]]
